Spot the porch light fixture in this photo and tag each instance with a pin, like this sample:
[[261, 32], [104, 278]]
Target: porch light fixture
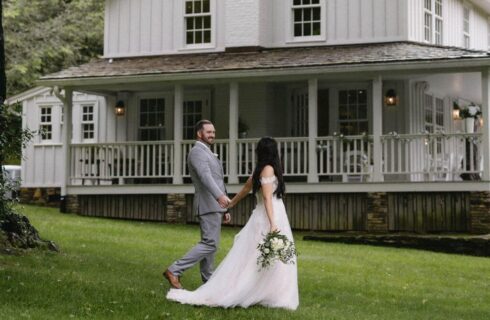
[[119, 108], [456, 112], [391, 98]]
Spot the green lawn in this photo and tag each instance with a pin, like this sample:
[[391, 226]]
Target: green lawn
[[111, 269]]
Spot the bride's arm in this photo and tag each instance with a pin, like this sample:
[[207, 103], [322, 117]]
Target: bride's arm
[[267, 191], [242, 194]]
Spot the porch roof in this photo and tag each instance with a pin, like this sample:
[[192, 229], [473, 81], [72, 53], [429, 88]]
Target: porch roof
[[379, 55]]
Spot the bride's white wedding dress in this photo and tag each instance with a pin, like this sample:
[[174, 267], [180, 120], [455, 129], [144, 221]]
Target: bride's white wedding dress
[[238, 281]]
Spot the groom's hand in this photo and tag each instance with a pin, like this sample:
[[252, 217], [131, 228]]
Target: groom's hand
[[223, 201], [226, 218]]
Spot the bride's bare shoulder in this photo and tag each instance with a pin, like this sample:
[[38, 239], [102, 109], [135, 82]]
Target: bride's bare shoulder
[[268, 171]]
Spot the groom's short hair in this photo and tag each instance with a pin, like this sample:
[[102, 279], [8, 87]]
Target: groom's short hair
[[200, 125]]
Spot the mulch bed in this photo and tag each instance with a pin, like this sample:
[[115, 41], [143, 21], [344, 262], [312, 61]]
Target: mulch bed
[[475, 245]]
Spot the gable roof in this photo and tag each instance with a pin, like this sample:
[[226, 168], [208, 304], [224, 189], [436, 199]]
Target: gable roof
[[266, 59]]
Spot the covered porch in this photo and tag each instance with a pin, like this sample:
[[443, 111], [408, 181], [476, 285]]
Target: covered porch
[[326, 108]]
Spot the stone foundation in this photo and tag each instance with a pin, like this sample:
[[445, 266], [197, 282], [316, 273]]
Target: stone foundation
[[480, 212], [176, 208], [70, 204], [49, 197], [377, 212]]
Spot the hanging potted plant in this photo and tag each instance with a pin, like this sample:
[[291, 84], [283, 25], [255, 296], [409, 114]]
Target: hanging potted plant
[[469, 114]]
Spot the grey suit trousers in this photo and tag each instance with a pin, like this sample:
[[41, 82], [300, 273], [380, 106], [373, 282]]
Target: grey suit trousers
[[205, 250]]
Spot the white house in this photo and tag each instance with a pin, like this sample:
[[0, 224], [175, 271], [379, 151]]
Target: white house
[[363, 96]]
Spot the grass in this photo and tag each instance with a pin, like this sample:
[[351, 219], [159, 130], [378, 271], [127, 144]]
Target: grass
[[111, 269]]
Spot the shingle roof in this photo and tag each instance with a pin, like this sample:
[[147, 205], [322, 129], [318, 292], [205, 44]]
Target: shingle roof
[[266, 59]]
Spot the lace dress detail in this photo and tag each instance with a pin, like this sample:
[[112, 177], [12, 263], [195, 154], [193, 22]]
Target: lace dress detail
[[238, 281]]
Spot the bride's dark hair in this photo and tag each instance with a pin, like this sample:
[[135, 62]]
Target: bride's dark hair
[[267, 154]]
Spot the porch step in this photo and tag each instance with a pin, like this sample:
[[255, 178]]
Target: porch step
[[475, 245]]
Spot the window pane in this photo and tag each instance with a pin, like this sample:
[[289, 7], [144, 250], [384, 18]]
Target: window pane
[[307, 29], [296, 2], [205, 6], [207, 36], [316, 29], [315, 1], [207, 22], [306, 1], [189, 38], [198, 23], [316, 14], [198, 35], [197, 6], [189, 23], [298, 15], [307, 14], [297, 30], [188, 7]]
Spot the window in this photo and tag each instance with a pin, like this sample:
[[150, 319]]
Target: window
[[306, 18], [433, 21], [299, 125], [197, 22], [46, 124], [488, 34], [434, 118], [152, 119], [193, 110], [88, 122], [466, 27], [353, 112]]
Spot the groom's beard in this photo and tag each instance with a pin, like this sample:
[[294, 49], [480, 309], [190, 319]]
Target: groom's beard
[[208, 140]]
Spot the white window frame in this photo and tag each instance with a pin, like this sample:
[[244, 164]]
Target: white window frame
[[466, 22], [357, 119], [84, 122], [43, 124], [212, 13], [433, 20], [290, 22]]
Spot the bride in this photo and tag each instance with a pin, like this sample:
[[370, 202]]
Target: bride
[[238, 281]]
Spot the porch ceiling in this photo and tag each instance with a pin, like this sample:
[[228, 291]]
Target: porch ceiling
[[270, 62]]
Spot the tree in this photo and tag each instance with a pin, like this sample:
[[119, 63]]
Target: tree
[[45, 36], [15, 229]]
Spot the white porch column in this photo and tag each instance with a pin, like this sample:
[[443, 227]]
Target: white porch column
[[377, 128], [67, 133], [485, 84], [312, 129], [233, 134], [178, 132]]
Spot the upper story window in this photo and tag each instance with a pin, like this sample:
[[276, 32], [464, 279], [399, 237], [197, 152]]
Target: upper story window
[[88, 122], [433, 21], [197, 22], [307, 18], [46, 123], [466, 27]]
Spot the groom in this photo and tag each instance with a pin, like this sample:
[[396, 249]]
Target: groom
[[210, 202]]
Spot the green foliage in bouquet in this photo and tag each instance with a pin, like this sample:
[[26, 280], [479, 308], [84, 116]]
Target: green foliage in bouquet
[[276, 246]]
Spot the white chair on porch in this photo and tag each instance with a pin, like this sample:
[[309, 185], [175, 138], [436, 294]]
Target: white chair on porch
[[357, 167]]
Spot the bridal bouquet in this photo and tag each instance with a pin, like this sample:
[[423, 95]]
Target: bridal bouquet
[[275, 246]]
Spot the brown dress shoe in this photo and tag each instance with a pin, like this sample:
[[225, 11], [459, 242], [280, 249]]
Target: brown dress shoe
[[172, 279]]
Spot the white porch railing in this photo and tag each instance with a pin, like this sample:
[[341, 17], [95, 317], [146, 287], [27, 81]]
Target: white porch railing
[[429, 157], [293, 153], [348, 157], [107, 161], [408, 157]]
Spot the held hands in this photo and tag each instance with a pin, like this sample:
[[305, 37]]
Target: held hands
[[224, 201]]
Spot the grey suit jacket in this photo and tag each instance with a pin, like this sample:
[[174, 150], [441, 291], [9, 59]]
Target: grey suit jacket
[[207, 176]]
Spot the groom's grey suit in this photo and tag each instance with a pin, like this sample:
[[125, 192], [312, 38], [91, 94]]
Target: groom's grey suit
[[207, 176]]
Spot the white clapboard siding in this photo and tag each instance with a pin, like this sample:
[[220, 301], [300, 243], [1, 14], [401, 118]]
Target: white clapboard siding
[[42, 160]]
